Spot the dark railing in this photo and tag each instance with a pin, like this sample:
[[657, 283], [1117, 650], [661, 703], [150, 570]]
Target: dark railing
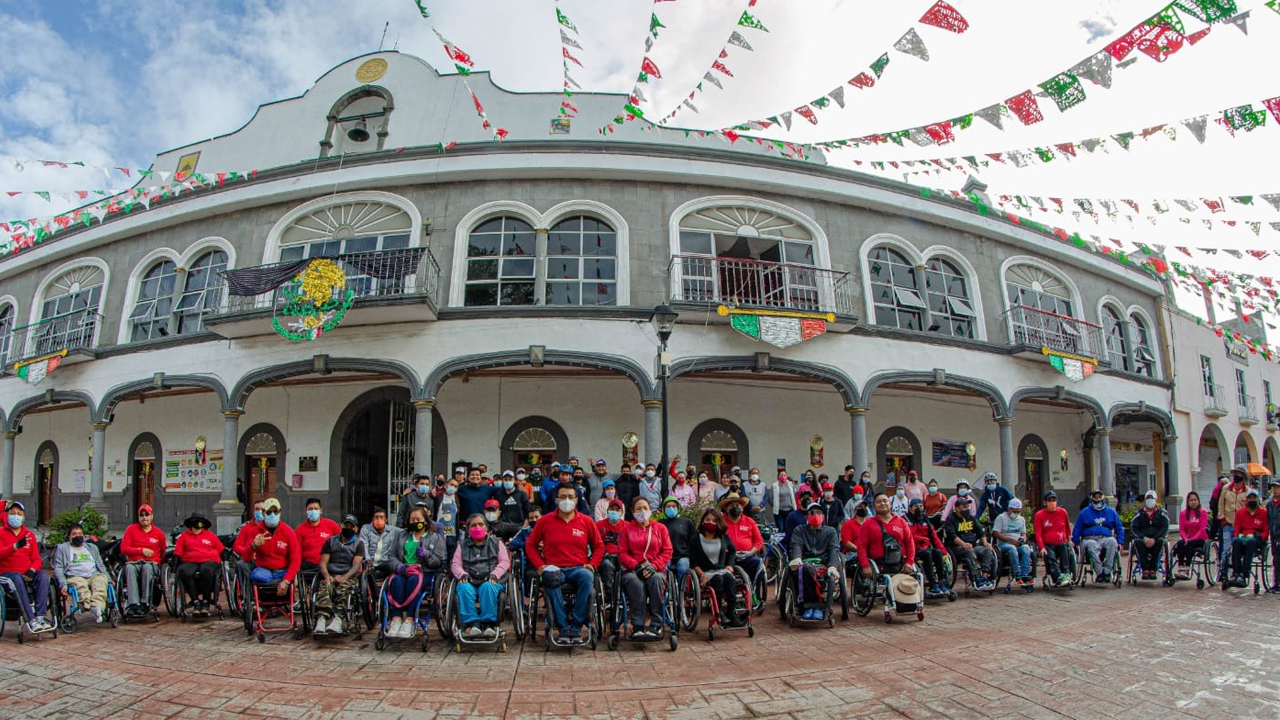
[[70, 331], [1041, 328], [760, 284], [410, 272]]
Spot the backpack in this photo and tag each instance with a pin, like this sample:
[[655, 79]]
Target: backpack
[[892, 549]]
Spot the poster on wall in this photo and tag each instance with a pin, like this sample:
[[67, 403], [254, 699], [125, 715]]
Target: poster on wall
[[187, 471], [954, 454]]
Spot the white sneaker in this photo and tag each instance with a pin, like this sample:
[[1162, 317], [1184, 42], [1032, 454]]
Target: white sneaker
[[36, 625], [472, 633], [393, 627], [319, 627], [490, 633], [97, 615], [407, 628], [335, 626]]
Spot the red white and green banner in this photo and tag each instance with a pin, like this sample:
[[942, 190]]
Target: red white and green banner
[[776, 327], [33, 371], [1075, 367]]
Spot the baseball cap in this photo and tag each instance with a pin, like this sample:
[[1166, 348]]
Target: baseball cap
[[608, 484], [1015, 504], [616, 503], [350, 520], [144, 508], [1051, 495], [812, 507], [491, 503], [914, 502], [1150, 494], [270, 504], [857, 489], [16, 504], [508, 473], [460, 470], [601, 462], [828, 486]]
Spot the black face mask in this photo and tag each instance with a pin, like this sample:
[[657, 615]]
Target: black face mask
[[418, 526], [1253, 504], [348, 533], [78, 541], [917, 514], [735, 512], [862, 511]]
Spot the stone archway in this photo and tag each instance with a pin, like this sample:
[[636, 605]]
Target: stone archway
[[721, 437], [898, 451]]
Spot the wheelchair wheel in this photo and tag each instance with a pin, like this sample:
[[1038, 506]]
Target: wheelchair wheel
[[861, 589], [169, 580], [1211, 560], [690, 602], [1134, 564], [772, 567], [515, 607], [843, 591]]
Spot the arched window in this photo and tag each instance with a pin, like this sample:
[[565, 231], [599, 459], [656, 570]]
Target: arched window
[[1041, 311], [949, 300], [718, 442], [502, 259], [69, 311], [200, 291], [359, 226], [153, 309], [6, 331], [1144, 357], [534, 441], [581, 263], [1117, 345], [893, 290]]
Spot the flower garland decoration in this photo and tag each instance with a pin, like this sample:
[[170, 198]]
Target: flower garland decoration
[[315, 303]]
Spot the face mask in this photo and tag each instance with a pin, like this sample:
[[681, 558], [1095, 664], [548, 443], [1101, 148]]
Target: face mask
[[379, 524], [79, 540], [642, 516], [755, 477], [15, 521], [933, 489], [702, 479], [614, 515], [670, 512], [815, 521], [963, 492], [735, 512], [857, 498], [418, 526], [991, 486], [348, 533], [477, 532], [649, 473], [566, 505], [638, 474], [1150, 503], [1252, 504], [862, 511], [1098, 504], [828, 495], [679, 481], [313, 516], [611, 493], [508, 485], [900, 494], [257, 516], [599, 472], [450, 490], [710, 528], [424, 489], [918, 514], [271, 519], [521, 476], [491, 516]]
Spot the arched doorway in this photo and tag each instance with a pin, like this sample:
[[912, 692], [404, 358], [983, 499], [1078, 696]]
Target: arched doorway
[[718, 442], [1269, 454], [261, 457], [46, 479], [534, 441], [1212, 457], [1245, 450], [898, 453], [144, 458], [1032, 465]]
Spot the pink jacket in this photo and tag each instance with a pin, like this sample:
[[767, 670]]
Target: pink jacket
[[684, 494], [640, 543], [1193, 526]]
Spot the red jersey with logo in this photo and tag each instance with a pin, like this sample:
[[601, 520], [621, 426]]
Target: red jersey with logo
[[565, 543], [313, 538]]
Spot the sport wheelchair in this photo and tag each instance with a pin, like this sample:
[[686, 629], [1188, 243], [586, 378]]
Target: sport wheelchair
[[971, 584], [175, 597], [11, 610], [67, 608], [829, 593], [1084, 568], [693, 600], [540, 608], [509, 608], [1258, 572], [419, 611], [264, 601], [619, 615], [349, 608], [150, 598], [1134, 568], [1073, 563], [880, 587]]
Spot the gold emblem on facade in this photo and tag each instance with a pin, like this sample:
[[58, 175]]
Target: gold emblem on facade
[[371, 70]]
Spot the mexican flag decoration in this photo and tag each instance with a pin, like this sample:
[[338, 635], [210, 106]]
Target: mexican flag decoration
[[780, 329], [1076, 368], [33, 371]]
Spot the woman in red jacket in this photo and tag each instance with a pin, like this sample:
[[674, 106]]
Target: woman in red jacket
[[199, 555], [645, 550], [871, 541], [928, 548]]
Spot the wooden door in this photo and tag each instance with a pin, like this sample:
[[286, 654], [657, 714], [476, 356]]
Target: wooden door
[[262, 478], [144, 488], [706, 464], [1033, 475], [46, 493]]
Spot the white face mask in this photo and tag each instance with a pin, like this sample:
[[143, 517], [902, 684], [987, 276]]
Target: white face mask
[[1150, 503], [491, 516], [828, 495], [755, 476], [901, 493], [521, 476], [649, 473], [567, 505]]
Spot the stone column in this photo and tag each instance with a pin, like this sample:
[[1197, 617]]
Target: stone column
[[422, 436], [1106, 478], [652, 431], [6, 466], [97, 470], [1172, 479], [858, 426], [229, 509], [1008, 455]]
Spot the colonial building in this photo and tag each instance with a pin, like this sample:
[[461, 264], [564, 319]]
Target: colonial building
[[493, 303]]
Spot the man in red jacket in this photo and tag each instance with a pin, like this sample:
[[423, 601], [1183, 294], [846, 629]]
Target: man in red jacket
[[313, 533], [275, 552], [1250, 534], [565, 547], [1052, 530], [143, 547], [20, 564]]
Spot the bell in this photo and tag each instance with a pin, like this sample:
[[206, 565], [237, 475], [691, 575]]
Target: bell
[[359, 132]]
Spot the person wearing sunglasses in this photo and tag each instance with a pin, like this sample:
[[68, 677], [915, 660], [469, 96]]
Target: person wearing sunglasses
[[143, 547]]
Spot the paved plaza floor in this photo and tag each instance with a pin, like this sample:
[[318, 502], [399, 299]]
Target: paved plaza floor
[[1094, 652]]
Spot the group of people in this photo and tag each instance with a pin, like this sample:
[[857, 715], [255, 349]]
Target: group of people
[[632, 528]]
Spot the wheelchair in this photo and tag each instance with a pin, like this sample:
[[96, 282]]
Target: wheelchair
[[773, 563], [1259, 569], [11, 610], [151, 598], [350, 608], [67, 608], [176, 597], [509, 608], [1199, 567], [959, 571], [829, 593], [1073, 560], [231, 581], [263, 601], [1134, 567], [540, 607], [619, 614], [693, 601], [420, 610], [1084, 568], [867, 591], [1004, 578]]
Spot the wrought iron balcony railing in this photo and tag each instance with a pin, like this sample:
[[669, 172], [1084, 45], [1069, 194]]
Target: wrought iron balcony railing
[[760, 284], [70, 331], [1041, 328]]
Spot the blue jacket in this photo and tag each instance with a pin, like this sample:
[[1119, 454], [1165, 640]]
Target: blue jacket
[[1098, 523], [471, 499], [998, 499]]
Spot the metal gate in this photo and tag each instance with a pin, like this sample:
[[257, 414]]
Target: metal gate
[[399, 451]]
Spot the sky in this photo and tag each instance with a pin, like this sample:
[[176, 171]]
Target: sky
[[114, 82]]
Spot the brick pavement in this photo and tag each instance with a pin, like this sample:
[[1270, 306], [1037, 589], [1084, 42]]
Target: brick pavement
[[1092, 653]]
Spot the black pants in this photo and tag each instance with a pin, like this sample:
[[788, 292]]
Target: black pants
[[721, 583], [1242, 550], [608, 573], [1183, 550], [1057, 560], [1148, 556], [199, 580], [930, 561]]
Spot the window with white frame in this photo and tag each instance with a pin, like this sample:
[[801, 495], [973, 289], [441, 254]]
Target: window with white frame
[[1242, 392], [1144, 356], [1206, 375], [153, 309], [7, 323], [581, 263], [1040, 309], [508, 265], [949, 301], [363, 226], [171, 300], [748, 256], [893, 290], [201, 291], [502, 260], [69, 310], [1117, 345]]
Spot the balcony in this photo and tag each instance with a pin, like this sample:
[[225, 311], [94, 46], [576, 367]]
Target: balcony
[[1032, 329], [1248, 409], [1213, 404], [72, 332], [758, 284], [390, 286]]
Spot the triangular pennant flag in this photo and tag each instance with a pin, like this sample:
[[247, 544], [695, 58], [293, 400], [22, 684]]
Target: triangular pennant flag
[[880, 64], [565, 51], [737, 39], [565, 21], [919, 137], [747, 21], [717, 65], [649, 68], [913, 45], [991, 114], [1124, 138], [566, 40], [1025, 108], [863, 80], [1066, 91], [1274, 5], [807, 113], [786, 119], [1273, 199], [1273, 105], [1208, 11], [654, 24], [639, 95], [944, 16], [690, 106], [1197, 126], [838, 95], [1241, 21], [713, 80]]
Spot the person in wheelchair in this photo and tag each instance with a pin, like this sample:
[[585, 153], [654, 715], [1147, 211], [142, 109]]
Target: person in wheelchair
[[887, 539], [20, 564], [1098, 532], [928, 550], [745, 534], [644, 554], [499, 527], [275, 556], [422, 554], [1053, 538], [199, 551], [340, 563], [480, 565], [967, 540], [78, 564], [812, 546], [682, 533], [1273, 530], [712, 559], [1010, 533], [611, 528], [1193, 533], [383, 545], [1149, 528], [143, 547], [1250, 536], [565, 547]]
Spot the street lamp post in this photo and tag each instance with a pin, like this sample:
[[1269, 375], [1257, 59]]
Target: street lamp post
[[664, 321]]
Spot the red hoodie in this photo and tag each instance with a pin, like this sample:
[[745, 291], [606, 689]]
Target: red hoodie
[[281, 551], [564, 543], [313, 538], [135, 541], [870, 540], [645, 543], [202, 548], [243, 546], [925, 536], [1251, 523], [611, 535], [18, 560], [1052, 527]]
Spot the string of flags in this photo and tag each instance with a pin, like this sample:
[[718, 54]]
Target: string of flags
[[461, 59], [567, 108], [499, 134], [718, 71]]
